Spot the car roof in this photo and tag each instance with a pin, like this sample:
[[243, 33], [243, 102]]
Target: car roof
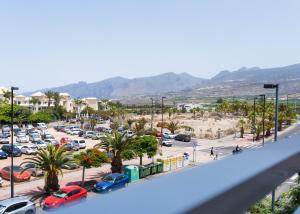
[[70, 188], [12, 201]]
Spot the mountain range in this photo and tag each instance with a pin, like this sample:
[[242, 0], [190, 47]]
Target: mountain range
[[245, 81]]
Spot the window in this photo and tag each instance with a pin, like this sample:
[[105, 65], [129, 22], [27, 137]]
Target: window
[[15, 207], [74, 192]]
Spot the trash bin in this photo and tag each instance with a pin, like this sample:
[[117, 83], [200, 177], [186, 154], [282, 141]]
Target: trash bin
[[132, 172], [173, 163], [159, 167], [144, 171], [186, 159], [166, 164], [153, 168]]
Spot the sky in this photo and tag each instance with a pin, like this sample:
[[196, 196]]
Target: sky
[[52, 43]]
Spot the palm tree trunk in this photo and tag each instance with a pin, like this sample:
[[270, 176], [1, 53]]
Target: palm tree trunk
[[51, 183], [116, 164], [83, 175], [242, 132], [141, 160]]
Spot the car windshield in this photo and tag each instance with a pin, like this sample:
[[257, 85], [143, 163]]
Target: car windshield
[[40, 142], [109, 179], [17, 169], [60, 194]]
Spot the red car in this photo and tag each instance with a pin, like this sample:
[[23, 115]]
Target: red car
[[65, 140], [65, 196], [18, 176]]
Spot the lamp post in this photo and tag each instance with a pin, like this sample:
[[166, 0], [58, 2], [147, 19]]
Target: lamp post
[[274, 86], [151, 114], [12, 141], [162, 115], [264, 111], [254, 118]]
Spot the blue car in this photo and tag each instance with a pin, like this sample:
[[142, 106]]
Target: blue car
[[111, 182], [3, 155]]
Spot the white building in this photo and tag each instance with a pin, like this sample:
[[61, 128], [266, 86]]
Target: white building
[[188, 106]]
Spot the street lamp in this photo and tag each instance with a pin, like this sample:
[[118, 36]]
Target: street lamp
[[151, 114], [254, 118], [12, 141], [274, 86], [263, 96], [162, 115]]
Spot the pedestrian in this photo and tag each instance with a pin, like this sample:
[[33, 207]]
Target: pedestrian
[[216, 157], [212, 151]]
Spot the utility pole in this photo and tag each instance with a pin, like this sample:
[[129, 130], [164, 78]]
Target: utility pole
[[12, 142], [162, 115], [264, 111], [254, 118], [152, 114]]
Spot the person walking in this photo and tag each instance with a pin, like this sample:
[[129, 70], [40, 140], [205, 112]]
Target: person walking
[[212, 151]]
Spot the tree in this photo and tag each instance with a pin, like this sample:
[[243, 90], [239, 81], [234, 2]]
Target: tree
[[120, 147], [145, 145], [173, 126], [139, 126], [130, 122], [49, 95], [242, 127], [6, 95], [50, 160], [114, 126], [90, 158], [93, 123], [78, 103], [41, 116]]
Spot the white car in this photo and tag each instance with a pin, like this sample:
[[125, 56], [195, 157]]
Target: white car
[[18, 145], [22, 139], [40, 144], [169, 135], [29, 149], [75, 131], [80, 143], [129, 134], [167, 143], [41, 126]]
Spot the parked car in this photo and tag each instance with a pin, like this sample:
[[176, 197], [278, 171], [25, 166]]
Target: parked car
[[47, 136], [183, 137], [80, 143], [22, 139], [65, 196], [33, 170], [19, 174], [4, 139], [53, 142], [41, 126], [3, 155], [29, 149], [111, 182], [167, 135], [89, 134], [81, 133], [17, 205], [97, 136], [40, 144], [129, 133], [75, 131], [16, 152], [6, 134], [70, 147], [6, 128], [65, 140], [34, 137], [70, 166], [166, 142], [18, 145], [59, 128]]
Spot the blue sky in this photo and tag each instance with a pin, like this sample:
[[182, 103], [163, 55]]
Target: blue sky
[[52, 43]]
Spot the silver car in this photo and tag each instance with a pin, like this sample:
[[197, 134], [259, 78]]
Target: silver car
[[17, 205]]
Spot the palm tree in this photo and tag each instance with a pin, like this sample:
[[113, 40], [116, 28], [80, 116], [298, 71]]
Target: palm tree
[[6, 95], [139, 126], [50, 160], [130, 122], [173, 126], [78, 104], [242, 127], [57, 99], [120, 147], [49, 95], [34, 101]]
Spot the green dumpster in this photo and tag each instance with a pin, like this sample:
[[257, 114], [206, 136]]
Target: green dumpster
[[159, 167], [153, 168], [132, 172], [144, 171]]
